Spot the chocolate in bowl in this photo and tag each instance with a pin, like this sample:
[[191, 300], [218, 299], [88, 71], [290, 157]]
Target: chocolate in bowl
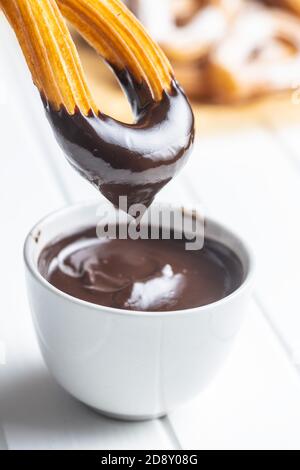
[[143, 274]]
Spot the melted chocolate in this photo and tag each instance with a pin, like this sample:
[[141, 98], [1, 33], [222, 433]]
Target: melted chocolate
[[133, 160], [147, 275]]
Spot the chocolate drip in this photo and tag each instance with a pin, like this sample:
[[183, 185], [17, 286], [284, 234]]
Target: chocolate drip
[[133, 160]]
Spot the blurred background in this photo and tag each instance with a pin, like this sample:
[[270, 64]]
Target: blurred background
[[236, 59]]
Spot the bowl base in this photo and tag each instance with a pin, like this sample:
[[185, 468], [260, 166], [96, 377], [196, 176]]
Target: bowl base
[[121, 417]]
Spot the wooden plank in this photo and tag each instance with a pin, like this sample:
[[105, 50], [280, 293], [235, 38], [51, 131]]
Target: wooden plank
[[288, 138], [252, 404], [35, 412], [284, 127], [247, 181], [40, 415]]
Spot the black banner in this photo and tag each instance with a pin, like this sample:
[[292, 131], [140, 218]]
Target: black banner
[[103, 459]]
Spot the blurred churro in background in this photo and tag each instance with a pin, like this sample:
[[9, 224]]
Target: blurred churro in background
[[227, 51]]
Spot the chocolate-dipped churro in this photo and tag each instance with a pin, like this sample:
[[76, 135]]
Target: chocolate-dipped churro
[[133, 160]]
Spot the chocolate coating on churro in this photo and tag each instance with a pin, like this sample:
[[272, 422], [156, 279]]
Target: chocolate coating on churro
[[133, 160]]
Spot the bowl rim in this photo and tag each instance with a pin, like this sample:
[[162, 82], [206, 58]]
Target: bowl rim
[[32, 268]]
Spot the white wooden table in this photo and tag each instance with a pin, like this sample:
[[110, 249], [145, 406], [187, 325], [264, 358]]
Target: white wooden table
[[251, 180]]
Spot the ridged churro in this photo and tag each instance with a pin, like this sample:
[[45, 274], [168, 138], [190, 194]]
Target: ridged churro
[[134, 160]]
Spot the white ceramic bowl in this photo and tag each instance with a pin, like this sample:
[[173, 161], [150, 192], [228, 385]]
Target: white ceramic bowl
[[130, 365]]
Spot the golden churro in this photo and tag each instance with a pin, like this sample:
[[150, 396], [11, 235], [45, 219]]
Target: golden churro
[[134, 160]]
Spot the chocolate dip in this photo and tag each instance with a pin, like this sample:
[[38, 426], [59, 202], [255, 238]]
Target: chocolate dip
[[144, 275]]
